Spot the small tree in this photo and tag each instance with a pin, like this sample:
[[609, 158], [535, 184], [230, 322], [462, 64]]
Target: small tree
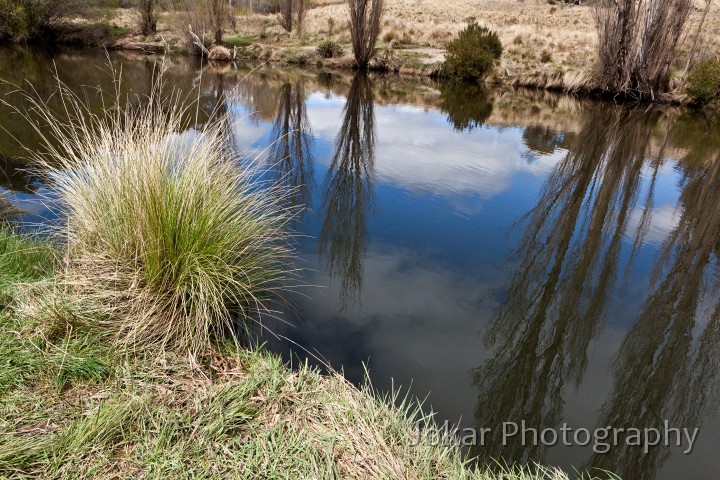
[[365, 17], [473, 52], [147, 18]]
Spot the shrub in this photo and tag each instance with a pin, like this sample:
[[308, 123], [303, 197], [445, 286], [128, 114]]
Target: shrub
[[167, 237], [23, 20], [473, 52], [329, 49], [704, 82]]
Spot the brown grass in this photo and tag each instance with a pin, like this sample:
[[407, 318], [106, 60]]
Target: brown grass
[[526, 29]]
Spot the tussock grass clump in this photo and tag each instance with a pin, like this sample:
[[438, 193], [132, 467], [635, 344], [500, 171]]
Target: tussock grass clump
[[169, 239]]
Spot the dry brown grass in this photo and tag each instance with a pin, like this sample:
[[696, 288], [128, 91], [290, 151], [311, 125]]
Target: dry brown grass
[[527, 28]]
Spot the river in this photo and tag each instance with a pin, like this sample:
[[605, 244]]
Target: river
[[506, 255]]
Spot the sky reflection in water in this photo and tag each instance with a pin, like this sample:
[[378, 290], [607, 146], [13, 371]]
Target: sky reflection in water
[[517, 255]]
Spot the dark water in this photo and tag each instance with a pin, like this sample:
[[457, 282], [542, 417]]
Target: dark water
[[518, 256]]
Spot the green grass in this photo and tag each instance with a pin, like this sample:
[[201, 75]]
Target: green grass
[[169, 241], [73, 405], [230, 413], [163, 242], [238, 41]]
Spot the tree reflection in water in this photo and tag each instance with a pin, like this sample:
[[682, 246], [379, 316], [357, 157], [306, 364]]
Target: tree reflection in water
[[290, 153], [668, 364], [8, 210], [565, 268], [467, 104], [348, 193]]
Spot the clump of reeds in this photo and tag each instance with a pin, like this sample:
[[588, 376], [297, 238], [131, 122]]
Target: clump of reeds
[[168, 237]]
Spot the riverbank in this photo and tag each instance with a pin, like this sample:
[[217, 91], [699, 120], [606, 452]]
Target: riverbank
[[74, 407], [547, 44]]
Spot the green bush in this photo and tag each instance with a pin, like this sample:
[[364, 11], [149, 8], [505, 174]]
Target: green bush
[[704, 82], [329, 49], [472, 53], [23, 20]]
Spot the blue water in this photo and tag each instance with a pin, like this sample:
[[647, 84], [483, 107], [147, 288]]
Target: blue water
[[549, 259]]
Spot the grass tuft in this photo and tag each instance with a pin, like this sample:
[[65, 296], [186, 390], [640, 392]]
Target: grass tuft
[[168, 237]]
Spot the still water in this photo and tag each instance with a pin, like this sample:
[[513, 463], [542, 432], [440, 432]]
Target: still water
[[508, 255]]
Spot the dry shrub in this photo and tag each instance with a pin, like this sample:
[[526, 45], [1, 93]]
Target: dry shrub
[[637, 42], [365, 18], [201, 22], [219, 53]]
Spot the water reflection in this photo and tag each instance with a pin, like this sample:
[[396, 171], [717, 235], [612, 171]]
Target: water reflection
[[668, 364], [564, 270], [545, 140], [599, 200], [15, 176], [569, 262], [7, 209], [348, 193], [467, 104], [290, 154]]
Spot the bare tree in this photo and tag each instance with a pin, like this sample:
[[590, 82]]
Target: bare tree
[[146, 16], [286, 8], [637, 43], [201, 22], [365, 17], [219, 13], [300, 11]]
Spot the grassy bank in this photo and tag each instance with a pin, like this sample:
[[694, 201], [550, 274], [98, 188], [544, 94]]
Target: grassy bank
[[74, 406], [547, 44], [119, 353]]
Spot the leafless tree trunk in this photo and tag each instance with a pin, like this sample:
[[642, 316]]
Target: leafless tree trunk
[[637, 43], [365, 17], [146, 14], [301, 10], [286, 8], [219, 14]]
